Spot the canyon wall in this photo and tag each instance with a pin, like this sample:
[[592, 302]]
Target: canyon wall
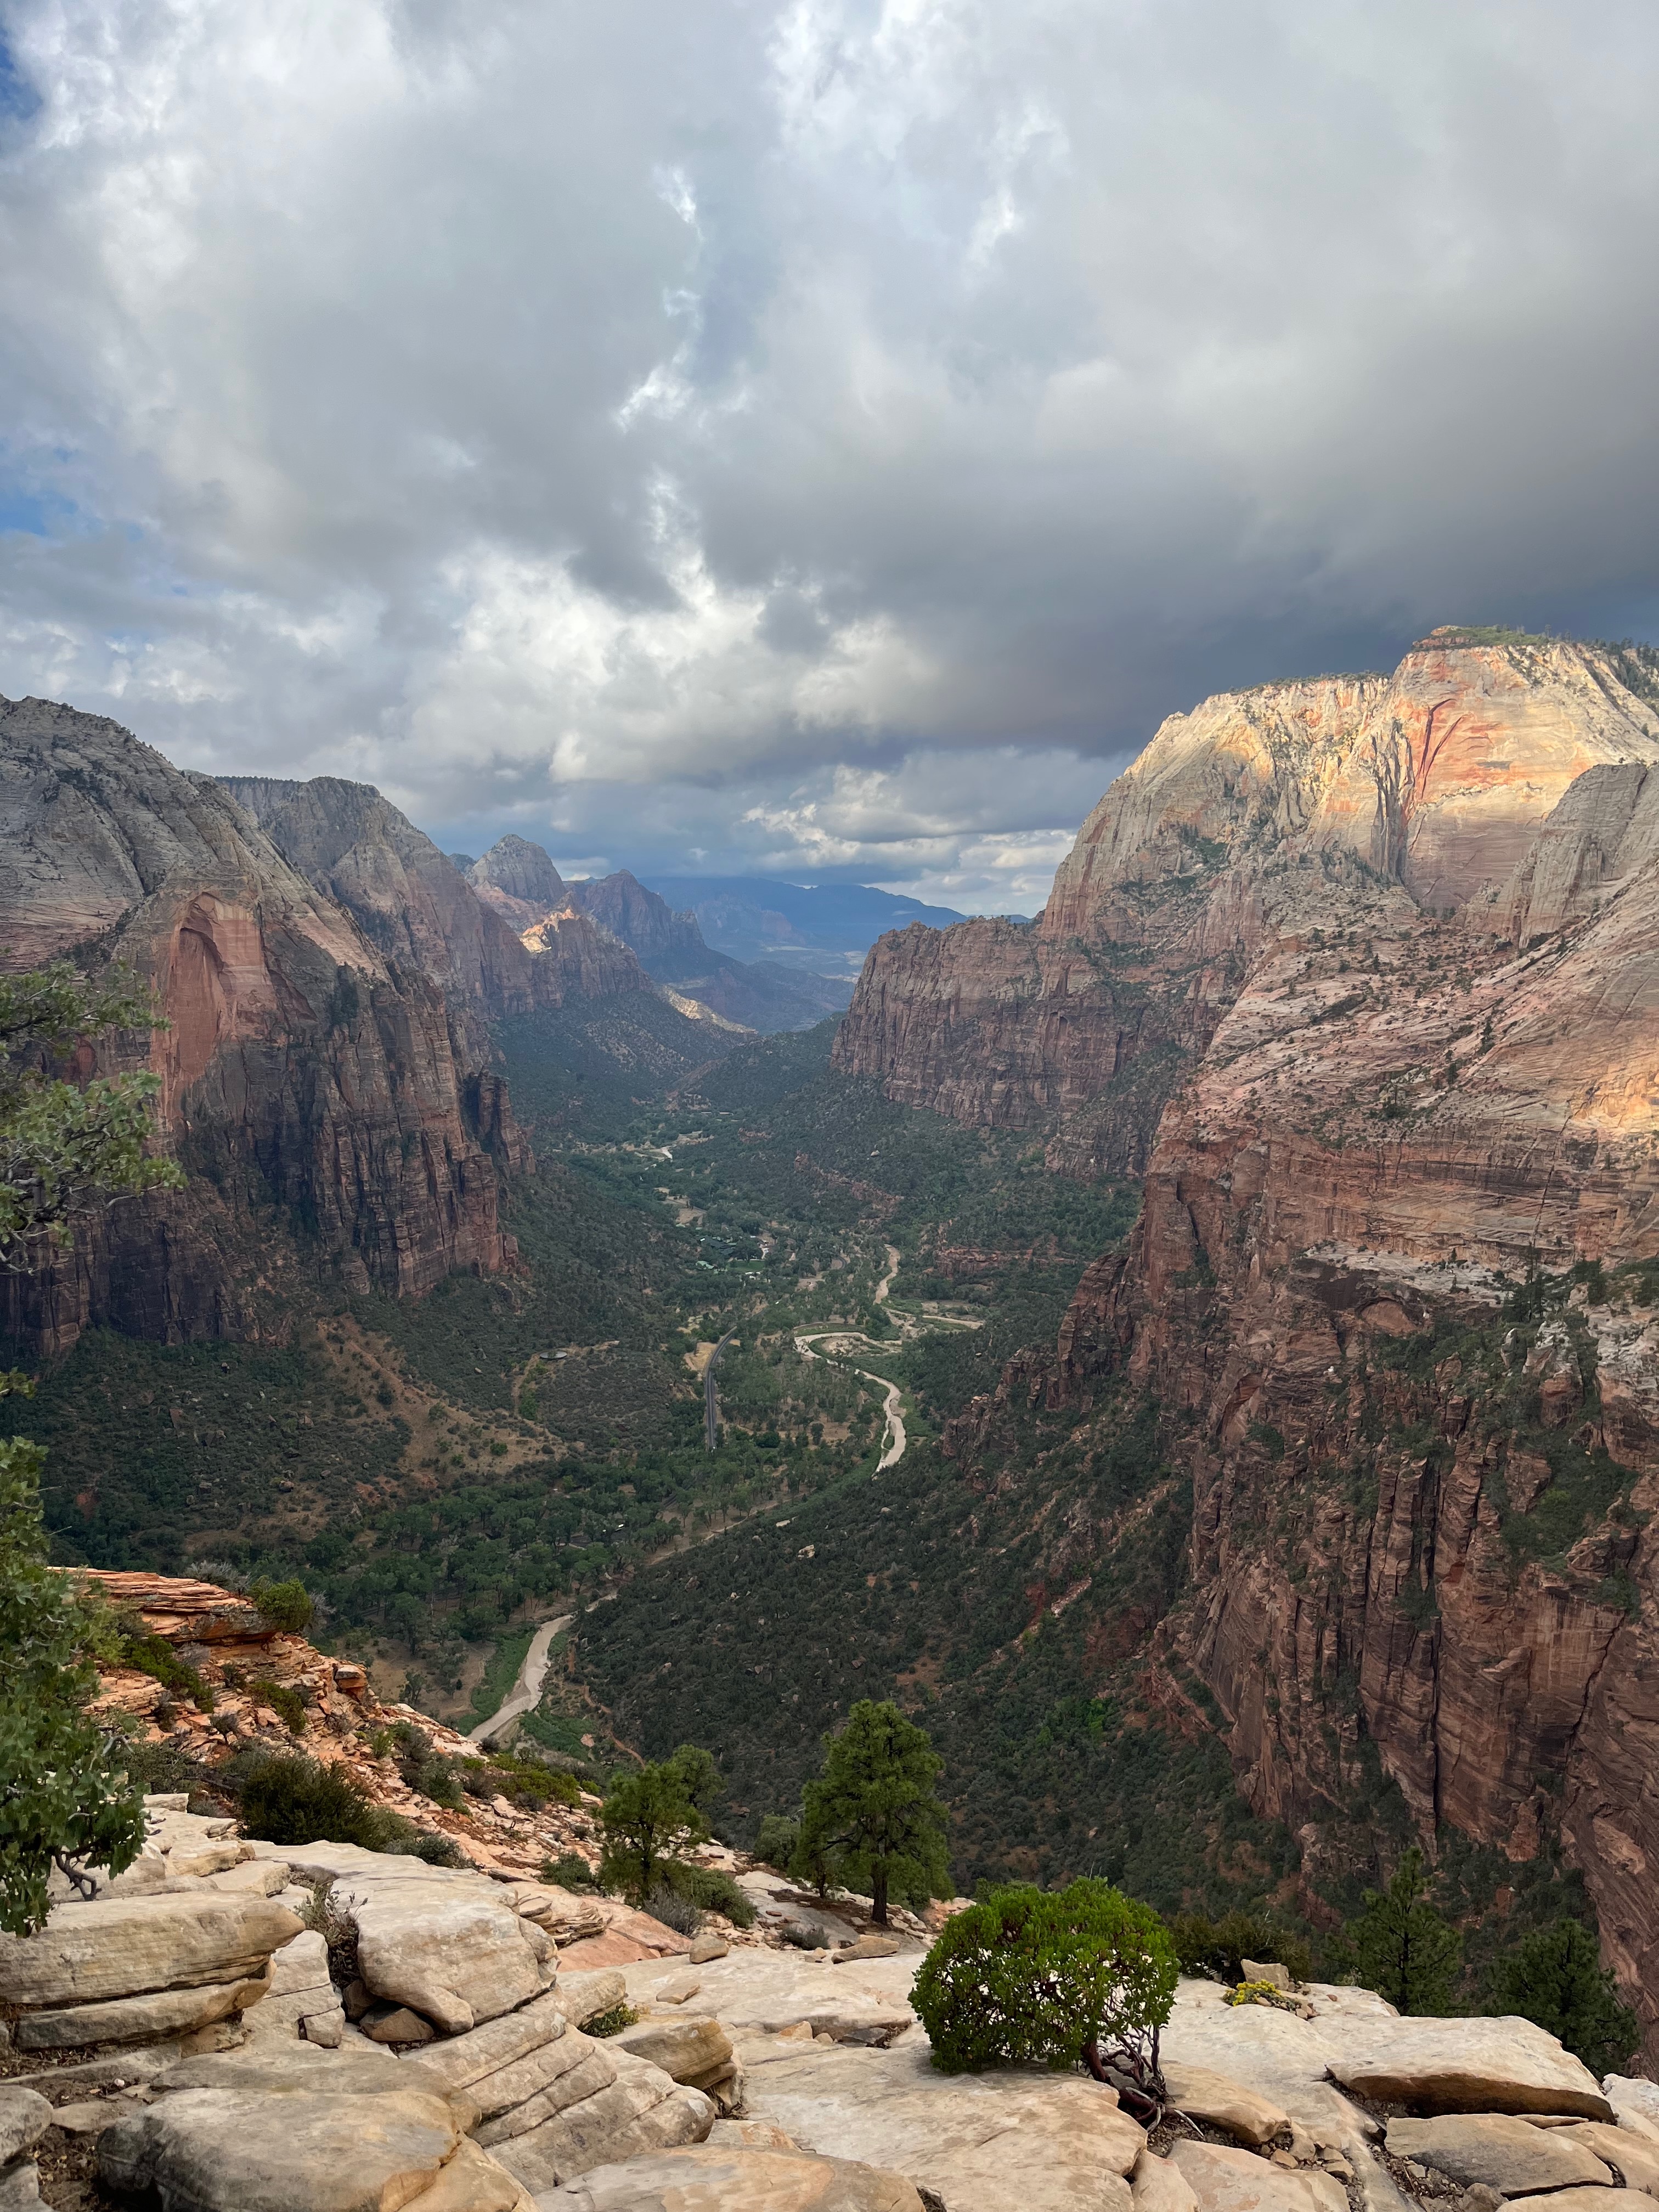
[[462, 933], [318, 1088], [1396, 1284], [1252, 821]]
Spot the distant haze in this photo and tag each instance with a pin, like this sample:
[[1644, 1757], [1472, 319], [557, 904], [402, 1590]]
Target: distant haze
[[815, 439]]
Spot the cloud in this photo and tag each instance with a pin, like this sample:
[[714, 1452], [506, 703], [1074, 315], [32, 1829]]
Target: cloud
[[739, 426]]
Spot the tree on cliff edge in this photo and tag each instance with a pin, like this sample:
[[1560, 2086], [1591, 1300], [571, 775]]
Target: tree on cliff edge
[[65, 1147], [873, 1815]]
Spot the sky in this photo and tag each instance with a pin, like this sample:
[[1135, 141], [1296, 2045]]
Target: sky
[[812, 437]]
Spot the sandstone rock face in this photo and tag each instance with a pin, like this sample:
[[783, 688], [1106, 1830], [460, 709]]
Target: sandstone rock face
[[735, 2179], [1471, 2066], [413, 904], [119, 1946], [1257, 818], [1507, 2154], [302, 1066], [1379, 1121], [1203, 2094], [1011, 2141], [519, 881], [281, 2149], [1223, 2180], [667, 942]]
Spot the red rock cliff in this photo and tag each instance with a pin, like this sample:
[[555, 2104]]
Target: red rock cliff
[[1251, 823], [317, 1092], [1396, 1288]]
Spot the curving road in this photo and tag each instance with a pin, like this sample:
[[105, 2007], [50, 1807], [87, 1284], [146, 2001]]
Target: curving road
[[524, 1693]]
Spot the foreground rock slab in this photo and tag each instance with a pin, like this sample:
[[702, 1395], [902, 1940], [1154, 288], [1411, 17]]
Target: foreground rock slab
[[1227, 2180], [294, 2150], [1013, 2141], [1502, 2150], [121, 1947], [735, 2179], [1203, 2094], [1505, 2065]]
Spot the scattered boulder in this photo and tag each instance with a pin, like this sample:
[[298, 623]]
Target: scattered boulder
[[120, 1947], [24, 2118], [694, 2052], [735, 2178], [398, 2027], [708, 1945], [1226, 2180], [1587, 2200], [1266, 1970], [866, 1947], [1633, 2156], [1203, 2094], [1501, 2150], [1505, 2065], [287, 2149], [1635, 2104], [456, 1957], [587, 1996], [1158, 2185]]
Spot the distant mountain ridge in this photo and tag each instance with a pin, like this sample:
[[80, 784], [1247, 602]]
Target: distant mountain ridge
[[759, 917], [519, 884]]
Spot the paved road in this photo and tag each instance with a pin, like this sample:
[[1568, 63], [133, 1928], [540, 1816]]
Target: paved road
[[527, 1689], [710, 1403]]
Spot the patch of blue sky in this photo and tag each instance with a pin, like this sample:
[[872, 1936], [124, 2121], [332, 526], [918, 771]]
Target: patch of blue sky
[[18, 98]]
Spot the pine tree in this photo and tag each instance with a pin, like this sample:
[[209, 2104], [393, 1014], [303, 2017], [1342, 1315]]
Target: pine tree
[[872, 1814], [1403, 1949], [66, 1147], [653, 1814], [1555, 1977]]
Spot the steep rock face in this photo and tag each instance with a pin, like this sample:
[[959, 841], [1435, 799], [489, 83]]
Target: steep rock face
[[403, 893], [1246, 826], [409, 899], [1394, 1285], [519, 881], [306, 1081], [1422, 1470], [667, 943]]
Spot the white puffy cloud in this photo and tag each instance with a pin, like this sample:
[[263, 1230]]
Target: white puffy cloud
[[824, 434]]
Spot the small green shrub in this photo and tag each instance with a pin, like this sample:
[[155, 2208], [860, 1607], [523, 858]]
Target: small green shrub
[[711, 1890], [1219, 1949], [154, 1657], [285, 1798], [613, 2022], [286, 1606], [437, 1850], [287, 1705], [1050, 1977], [674, 1908], [569, 1871]]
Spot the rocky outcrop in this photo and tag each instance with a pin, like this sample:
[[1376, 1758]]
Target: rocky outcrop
[[518, 881], [464, 932], [1248, 825], [668, 944], [311, 1086]]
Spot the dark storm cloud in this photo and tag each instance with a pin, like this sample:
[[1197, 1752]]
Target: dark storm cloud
[[827, 435]]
